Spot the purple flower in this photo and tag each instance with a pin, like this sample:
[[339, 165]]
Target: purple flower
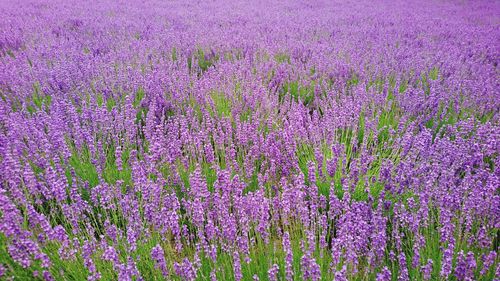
[[273, 272], [288, 256], [384, 275], [488, 261], [427, 270], [237, 266], [447, 260], [341, 275]]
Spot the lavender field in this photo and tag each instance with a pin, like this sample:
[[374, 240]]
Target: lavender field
[[229, 140]]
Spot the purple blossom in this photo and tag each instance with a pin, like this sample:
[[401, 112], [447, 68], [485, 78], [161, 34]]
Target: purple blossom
[[384, 275], [289, 256], [273, 272], [185, 270], [427, 270], [237, 266]]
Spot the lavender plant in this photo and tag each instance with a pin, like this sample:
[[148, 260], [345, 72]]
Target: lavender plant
[[227, 140]]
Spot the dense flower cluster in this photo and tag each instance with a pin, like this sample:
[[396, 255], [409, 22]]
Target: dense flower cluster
[[226, 140]]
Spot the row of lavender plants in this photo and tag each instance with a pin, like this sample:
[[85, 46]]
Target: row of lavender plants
[[226, 140]]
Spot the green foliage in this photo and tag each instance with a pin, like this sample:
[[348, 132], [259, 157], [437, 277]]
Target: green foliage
[[222, 104], [38, 100], [282, 58], [139, 95], [298, 92]]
